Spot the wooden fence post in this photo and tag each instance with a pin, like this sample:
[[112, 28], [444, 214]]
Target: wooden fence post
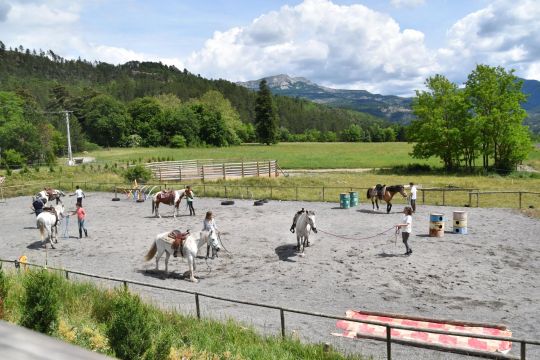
[[323, 193], [269, 169], [202, 170], [197, 306], [223, 169], [423, 196], [282, 316], [477, 198], [258, 172], [470, 197], [443, 198], [520, 199], [296, 193], [242, 168], [180, 171]]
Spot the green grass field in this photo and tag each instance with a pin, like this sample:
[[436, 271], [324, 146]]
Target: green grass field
[[288, 155]]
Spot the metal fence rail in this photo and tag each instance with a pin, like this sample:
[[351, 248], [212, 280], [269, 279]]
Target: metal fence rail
[[437, 196], [283, 310]]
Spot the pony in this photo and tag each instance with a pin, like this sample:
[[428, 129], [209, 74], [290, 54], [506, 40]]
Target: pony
[[47, 222], [172, 197], [386, 193], [50, 195], [190, 247], [304, 224]]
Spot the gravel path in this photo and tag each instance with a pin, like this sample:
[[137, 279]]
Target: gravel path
[[491, 275]]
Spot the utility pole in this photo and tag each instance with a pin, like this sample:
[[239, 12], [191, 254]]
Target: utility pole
[[70, 154]]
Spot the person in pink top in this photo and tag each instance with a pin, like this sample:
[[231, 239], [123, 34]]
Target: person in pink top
[[81, 216]]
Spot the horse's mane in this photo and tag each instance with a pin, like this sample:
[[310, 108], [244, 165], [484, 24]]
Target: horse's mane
[[394, 188]]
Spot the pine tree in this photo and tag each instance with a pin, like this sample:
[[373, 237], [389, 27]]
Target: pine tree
[[266, 122]]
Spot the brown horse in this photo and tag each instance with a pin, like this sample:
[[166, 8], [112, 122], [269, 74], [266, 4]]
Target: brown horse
[[172, 197], [386, 193]]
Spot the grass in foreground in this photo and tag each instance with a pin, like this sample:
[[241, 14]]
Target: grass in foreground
[[112, 322]]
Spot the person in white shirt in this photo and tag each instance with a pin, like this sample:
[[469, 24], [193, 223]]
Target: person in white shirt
[[406, 226], [413, 197], [79, 194], [209, 225]]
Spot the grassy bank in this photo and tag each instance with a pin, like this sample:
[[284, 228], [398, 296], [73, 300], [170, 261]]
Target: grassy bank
[[117, 323]]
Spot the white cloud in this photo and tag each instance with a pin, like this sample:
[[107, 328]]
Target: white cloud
[[407, 3], [330, 44], [503, 33]]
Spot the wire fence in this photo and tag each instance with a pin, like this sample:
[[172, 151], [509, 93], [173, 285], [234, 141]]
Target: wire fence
[[389, 340], [439, 196]]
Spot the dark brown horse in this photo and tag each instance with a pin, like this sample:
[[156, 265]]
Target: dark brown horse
[[386, 193]]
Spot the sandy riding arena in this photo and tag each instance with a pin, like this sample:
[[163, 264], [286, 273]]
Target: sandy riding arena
[[491, 275]]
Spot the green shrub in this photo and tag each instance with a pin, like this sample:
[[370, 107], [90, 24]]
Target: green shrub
[[130, 331], [3, 290], [137, 172], [13, 158], [41, 301], [161, 347]]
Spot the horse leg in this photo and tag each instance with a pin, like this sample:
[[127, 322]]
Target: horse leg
[[191, 269], [297, 242], [388, 208], [158, 256], [167, 256]]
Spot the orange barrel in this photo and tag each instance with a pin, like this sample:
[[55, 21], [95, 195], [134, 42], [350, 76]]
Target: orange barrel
[[460, 222], [436, 225]]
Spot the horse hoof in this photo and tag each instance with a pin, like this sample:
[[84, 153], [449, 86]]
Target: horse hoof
[[301, 255], [193, 280]]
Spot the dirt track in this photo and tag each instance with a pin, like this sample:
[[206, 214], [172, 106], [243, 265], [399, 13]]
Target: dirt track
[[491, 275]]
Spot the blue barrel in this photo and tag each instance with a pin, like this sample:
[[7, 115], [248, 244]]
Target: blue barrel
[[344, 200], [436, 217], [462, 231], [354, 198]]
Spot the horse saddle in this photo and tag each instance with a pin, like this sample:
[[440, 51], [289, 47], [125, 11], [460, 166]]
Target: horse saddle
[[381, 189], [166, 197], [52, 210], [178, 238]]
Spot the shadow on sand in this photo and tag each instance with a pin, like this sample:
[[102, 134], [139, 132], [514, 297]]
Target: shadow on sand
[[285, 252], [386, 255], [160, 274]]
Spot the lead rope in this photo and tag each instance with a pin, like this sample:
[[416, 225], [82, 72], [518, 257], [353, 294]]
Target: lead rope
[[352, 238]]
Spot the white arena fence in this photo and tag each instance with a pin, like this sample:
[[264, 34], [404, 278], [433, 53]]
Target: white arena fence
[[282, 311], [210, 169]]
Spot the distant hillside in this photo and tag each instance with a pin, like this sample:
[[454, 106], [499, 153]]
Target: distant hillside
[[532, 88], [394, 108], [37, 73]]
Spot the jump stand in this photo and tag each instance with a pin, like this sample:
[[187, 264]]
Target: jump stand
[[115, 198]]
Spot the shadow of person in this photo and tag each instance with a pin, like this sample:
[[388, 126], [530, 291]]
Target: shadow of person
[[386, 255], [36, 245], [285, 252]]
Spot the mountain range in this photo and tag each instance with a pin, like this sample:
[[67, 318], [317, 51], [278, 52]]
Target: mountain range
[[394, 108]]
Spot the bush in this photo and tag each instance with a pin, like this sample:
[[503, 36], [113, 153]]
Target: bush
[[129, 332], [13, 158], [41, 301], [178, 141], [137, 172]]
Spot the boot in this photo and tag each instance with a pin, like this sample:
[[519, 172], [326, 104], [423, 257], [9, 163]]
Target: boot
[[80, 234], [85, 233]]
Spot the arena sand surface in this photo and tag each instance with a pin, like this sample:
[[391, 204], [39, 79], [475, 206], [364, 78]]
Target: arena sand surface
[[491, 275]]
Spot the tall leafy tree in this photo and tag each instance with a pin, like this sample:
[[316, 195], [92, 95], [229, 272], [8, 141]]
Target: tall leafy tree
[[106, 120], [496, 97], [436, 130], [266, 123]]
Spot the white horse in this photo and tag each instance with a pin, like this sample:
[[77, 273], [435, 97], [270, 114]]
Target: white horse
[[190, 247], [304, 224], [46, 222], [170, 198], [54, 194]]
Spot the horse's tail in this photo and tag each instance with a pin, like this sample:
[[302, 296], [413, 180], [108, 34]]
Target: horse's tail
[[153, 205], [368, 194], [151, 252], [41, 226]]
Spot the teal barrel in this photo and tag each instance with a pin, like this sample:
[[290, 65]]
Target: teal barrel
[[354, 198], [344, 200]]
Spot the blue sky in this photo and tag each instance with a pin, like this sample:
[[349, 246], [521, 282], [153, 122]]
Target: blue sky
[[383, 46]]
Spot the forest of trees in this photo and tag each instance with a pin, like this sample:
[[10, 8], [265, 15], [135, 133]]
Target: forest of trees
[[149, 104]]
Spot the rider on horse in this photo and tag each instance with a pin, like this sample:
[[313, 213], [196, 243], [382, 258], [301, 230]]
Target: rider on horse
[[298, 213]]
